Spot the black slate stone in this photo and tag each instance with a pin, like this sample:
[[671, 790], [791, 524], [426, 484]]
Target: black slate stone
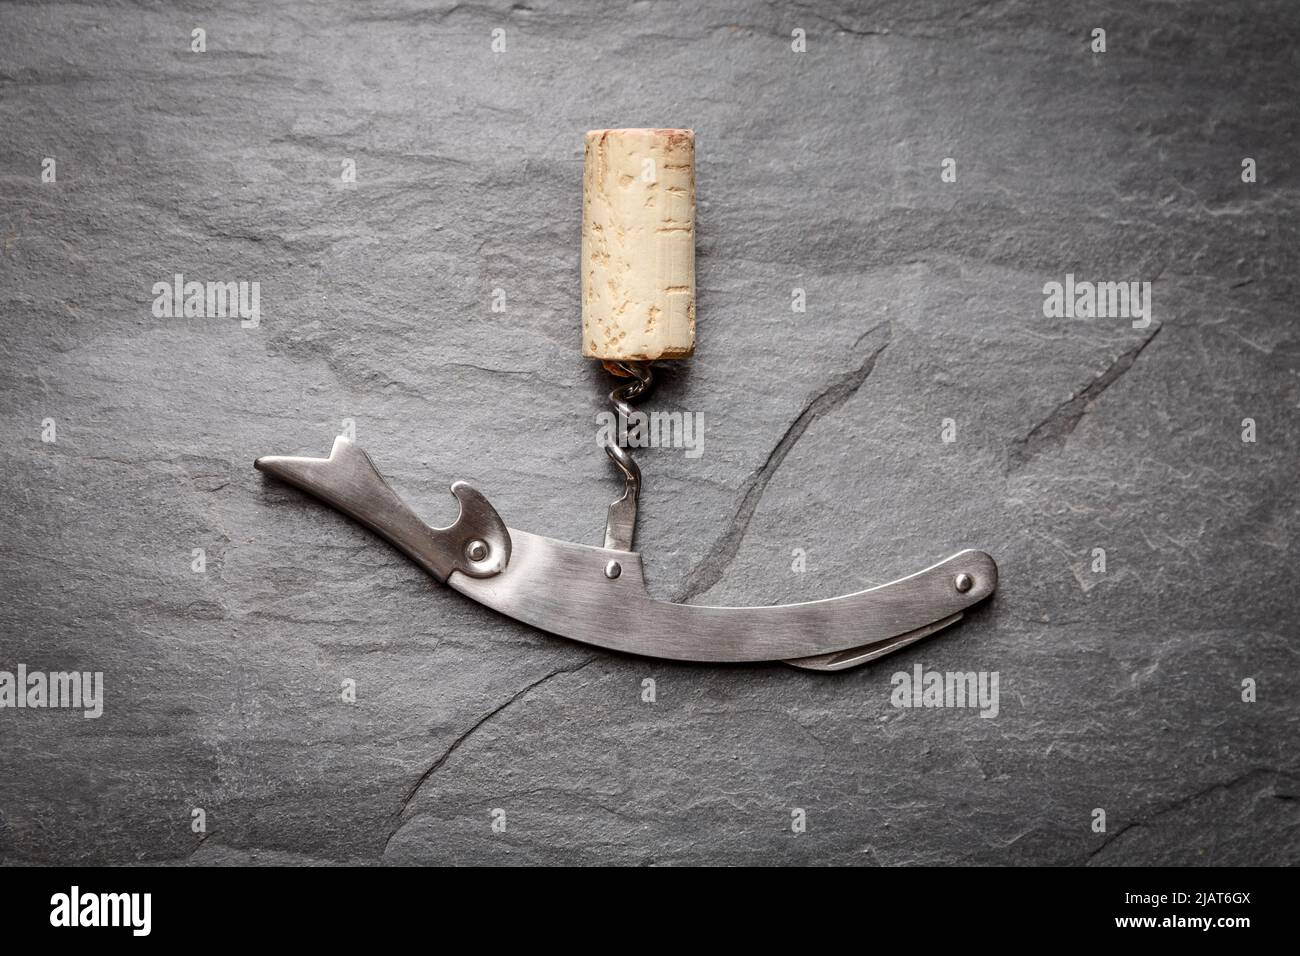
[[819, 170]]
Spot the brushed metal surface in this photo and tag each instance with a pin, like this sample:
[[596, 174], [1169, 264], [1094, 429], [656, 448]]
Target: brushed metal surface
[[562, 588], [843, 660], [349, 481], [598, 595]]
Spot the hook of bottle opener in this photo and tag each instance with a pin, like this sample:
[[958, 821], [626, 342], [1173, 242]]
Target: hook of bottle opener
[[598, 595]]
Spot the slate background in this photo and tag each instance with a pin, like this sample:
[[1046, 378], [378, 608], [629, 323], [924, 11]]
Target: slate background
[[817, 170]]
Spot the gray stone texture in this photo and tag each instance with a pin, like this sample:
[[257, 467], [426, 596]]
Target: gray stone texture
[[818, 170]]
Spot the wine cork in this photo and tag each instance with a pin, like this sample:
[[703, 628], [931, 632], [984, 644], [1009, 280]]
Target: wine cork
[[638, 244]]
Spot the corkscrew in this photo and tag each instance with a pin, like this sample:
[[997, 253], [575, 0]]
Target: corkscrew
[[620, 528], [638, 307]]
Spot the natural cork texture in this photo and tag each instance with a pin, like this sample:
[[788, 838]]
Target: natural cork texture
[[638, 244]]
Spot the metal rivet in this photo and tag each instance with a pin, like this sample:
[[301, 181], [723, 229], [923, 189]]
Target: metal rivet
[[613, 570], [963, 582], [476, 550]]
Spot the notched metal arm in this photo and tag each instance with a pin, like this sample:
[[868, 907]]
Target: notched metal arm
[[477, 543]]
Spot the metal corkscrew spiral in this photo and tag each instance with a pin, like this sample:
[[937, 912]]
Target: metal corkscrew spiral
[[621, 524]]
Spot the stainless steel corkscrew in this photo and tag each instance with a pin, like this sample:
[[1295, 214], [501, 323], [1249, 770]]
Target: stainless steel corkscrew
[[638, 307]]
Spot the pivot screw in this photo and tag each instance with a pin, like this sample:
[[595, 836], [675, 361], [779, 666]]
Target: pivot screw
[[476, 550], [613, 570], [963, 582]]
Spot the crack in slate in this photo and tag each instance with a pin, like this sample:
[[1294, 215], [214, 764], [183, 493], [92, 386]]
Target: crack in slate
[[1188, 801], [473, 728], [838, 25], [198, 846], [1052, 431], [710, 570]]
